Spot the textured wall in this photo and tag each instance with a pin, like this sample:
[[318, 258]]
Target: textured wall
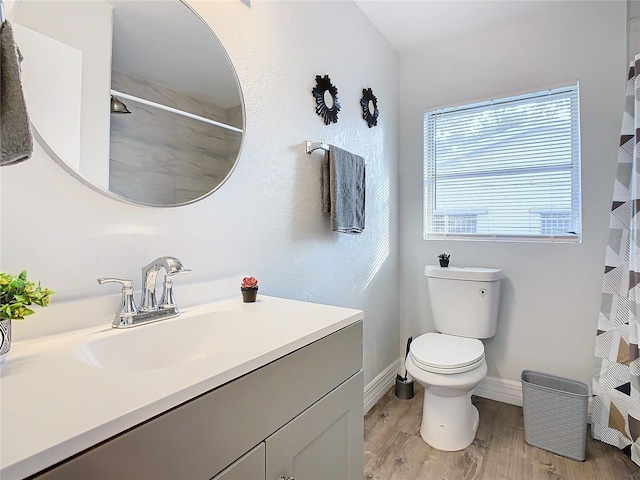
[[266, 219], [551, 293]]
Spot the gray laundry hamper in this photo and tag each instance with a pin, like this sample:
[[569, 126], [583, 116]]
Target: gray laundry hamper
[[555, 413]]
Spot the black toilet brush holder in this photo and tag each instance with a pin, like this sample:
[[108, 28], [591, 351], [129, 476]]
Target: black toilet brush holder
[[404, 388], [404, 385]]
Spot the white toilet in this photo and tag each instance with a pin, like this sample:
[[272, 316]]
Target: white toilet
[[450, 364]]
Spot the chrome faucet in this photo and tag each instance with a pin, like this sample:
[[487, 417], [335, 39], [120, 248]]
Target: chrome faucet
[[129, 315], [172, 266]]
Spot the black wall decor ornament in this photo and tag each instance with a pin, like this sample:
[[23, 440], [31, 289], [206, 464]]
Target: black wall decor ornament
[[326, 95], [369, 104]]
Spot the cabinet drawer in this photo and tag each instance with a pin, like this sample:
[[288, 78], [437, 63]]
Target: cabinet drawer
[[250, 466], [198, 439]]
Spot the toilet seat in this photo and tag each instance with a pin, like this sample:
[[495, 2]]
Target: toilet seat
[[446, 354]]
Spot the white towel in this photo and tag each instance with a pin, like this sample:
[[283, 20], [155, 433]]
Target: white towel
[[343, 190], [16, 142]]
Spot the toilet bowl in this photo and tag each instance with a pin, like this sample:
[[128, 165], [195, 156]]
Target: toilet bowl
[[449, 368], [450, 364]]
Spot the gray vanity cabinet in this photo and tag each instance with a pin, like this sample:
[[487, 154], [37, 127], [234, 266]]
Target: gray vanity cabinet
[[250, 466], [322, 443], [300, 416]]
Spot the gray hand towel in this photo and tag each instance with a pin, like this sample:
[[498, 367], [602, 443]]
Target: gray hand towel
[[16, 142], [343, 190]]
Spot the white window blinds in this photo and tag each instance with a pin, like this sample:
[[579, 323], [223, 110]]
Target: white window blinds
[[504, 169]]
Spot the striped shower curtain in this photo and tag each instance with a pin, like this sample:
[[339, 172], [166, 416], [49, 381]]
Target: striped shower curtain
[[616, 380]]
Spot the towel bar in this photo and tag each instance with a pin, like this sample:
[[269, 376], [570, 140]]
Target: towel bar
[[312, 146]]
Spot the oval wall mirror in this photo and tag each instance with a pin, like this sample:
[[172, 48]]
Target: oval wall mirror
[[138, 99]]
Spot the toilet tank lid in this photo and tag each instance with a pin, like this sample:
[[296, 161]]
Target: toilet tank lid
[[464, 273]]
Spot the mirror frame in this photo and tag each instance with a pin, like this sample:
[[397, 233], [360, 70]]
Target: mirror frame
[[368, 98], [323, 86]]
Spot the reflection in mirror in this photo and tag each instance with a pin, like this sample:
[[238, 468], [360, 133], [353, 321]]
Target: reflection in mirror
[[117, 106], [184, 134], [328, 99]]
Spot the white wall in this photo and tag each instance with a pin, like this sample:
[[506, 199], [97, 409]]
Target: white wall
[[266, 219], [551, 292], [42, 55], [633, 43]]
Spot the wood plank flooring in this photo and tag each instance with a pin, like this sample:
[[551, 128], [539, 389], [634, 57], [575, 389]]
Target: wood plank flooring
[[394, 449]]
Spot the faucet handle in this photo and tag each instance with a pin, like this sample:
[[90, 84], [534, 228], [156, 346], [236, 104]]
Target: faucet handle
[[168, 300], [124, 315], [124, 283]]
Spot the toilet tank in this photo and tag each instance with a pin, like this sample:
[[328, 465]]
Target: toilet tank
[[464, 300]]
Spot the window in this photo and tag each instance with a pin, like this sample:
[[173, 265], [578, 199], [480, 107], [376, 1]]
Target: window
[[453, 222], [555, 223], [504, 169]]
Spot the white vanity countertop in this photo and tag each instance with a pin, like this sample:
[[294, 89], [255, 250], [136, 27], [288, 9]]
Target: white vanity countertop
[[55, 405]]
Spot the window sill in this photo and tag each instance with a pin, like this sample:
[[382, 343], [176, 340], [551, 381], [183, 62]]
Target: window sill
[[507, 238]]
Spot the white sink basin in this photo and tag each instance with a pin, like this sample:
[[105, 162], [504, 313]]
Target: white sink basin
[[176, 341]]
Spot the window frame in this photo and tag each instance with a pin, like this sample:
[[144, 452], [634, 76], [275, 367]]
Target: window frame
[[430, 183]]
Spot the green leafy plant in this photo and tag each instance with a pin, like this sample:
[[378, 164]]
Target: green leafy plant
[[17, 294], [444, 256]]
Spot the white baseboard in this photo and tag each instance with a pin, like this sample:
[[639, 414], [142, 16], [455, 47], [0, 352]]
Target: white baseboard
[[377, 387], [493, 388], [501, 390], [507, 391]]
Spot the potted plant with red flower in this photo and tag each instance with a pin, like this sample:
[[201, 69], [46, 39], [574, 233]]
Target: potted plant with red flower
[[249, 289]]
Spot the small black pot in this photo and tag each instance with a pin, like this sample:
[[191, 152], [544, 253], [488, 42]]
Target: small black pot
[[249, 294], [444, 263]]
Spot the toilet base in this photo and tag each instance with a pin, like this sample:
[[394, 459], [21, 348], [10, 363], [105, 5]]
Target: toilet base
[[449, 423]]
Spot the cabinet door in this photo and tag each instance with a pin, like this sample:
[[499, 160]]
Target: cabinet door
[[248, 467], [325, 442]]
